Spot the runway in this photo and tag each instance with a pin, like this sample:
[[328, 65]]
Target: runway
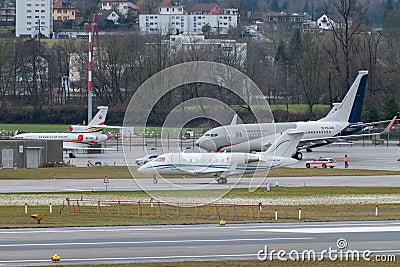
[[95, 245], [76, 185]]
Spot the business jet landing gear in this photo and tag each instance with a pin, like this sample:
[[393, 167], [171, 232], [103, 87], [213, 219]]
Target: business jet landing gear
[[71, 155], [298, 156], [222, 180]]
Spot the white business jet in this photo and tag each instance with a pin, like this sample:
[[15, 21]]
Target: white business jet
[[227, 164], [342, 121]]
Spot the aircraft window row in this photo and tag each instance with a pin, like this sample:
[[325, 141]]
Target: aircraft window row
[[319, 132], [211, 135], [203, 160], [239, 134], [253, 133]]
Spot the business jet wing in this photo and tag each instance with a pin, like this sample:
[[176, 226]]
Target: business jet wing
[[315, 142], [219, 170], [368, 124]]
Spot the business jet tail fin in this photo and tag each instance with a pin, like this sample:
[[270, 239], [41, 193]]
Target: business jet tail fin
[[286, 144]]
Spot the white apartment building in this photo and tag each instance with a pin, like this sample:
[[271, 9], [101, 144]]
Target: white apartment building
[[34, 16], [231, 50], [173, 19], [185, 23]]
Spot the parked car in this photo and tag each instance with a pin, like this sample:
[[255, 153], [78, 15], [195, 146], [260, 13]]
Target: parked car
[[321, 162], [145, 159]]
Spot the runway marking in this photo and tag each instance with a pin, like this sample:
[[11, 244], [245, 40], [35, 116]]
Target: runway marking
[[154, 241], [244, 227], [327, 230]]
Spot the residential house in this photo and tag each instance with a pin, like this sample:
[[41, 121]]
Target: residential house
[[108, 15], [207, 9], [274, 21], [7, 13], [325, 23], [63, 10], [171, 7], [122, 7]]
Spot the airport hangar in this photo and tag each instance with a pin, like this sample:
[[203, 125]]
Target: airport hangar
[[30, 153]]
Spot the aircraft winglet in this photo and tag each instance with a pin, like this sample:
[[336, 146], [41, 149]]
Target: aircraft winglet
[[390, 126]]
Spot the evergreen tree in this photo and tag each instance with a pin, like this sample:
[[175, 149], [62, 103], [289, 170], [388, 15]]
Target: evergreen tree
[[285, 6], [275, 5], [390, 108], [388, 8]]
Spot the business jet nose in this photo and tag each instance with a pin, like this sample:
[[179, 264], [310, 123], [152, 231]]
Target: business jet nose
[[146, 168], [206, 144]]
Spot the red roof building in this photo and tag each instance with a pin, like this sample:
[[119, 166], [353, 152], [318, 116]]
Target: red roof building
[[207, 9], [63, 10]]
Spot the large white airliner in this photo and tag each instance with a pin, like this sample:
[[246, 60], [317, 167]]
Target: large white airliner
[[79, 137], [343, 120], [226, 164]]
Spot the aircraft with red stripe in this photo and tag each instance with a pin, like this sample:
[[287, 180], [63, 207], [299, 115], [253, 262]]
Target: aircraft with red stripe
[[79, 137]]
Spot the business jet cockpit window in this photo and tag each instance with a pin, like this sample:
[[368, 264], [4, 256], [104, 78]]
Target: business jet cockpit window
[[211, 135], [160, 159]]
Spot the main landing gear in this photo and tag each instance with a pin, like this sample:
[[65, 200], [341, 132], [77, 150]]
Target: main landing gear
[[298, 156], [222, 180]]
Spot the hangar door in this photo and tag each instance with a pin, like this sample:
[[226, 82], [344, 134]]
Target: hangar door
[[32, 157], [7, 158]]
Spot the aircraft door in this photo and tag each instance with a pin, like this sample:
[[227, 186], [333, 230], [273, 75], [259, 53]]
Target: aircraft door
[[228, 137]]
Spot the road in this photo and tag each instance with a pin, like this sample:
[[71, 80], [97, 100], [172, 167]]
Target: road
[[95, 245]]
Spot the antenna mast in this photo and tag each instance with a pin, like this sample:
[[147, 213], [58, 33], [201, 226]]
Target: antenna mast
[[93, 30]]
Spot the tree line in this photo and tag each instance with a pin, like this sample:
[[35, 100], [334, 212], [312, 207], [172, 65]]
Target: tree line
[[289, 66]]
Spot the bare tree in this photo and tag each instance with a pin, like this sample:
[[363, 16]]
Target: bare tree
[[347, 16]]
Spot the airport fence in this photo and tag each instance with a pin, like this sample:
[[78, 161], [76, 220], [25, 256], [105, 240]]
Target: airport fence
[[159, 212], [152, 208]]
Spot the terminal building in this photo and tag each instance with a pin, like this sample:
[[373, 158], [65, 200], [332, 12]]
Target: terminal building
[[30, 153]]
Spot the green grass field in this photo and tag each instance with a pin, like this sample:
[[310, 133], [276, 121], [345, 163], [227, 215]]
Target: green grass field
[[300, 109], [37, 128]]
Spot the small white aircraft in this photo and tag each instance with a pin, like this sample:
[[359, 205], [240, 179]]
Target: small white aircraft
[[79, 137], [227, 164], [341, 122]]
